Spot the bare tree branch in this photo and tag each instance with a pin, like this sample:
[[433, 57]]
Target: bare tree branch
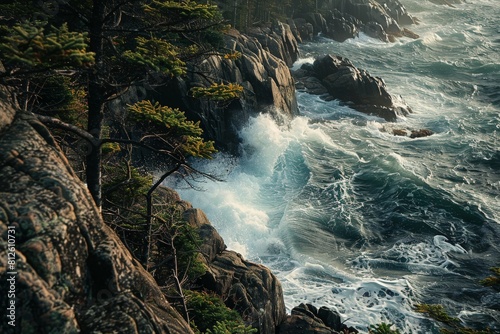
[[70, 127]]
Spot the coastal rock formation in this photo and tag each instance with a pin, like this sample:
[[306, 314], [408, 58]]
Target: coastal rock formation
[[356, 87], [307, 319], [279, 40], [266, 79], [249, 288], [342, 26], [344, 19], [305, 29], [72, 273]]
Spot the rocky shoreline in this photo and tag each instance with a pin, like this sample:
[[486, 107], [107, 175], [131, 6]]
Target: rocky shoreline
[[73, 272]]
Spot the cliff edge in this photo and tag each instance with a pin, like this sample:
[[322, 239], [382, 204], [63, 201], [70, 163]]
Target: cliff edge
[[62, 270]]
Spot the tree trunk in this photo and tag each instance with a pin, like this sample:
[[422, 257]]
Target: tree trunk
[[149, 215], [96, 101]]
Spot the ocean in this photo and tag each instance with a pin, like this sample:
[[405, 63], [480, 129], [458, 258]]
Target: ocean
[[370, 224]]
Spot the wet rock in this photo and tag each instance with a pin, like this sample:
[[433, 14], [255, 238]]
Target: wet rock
[[357, 87], [314, 86], [390, 15], [410, 133], [375, 30], [410, 34], [400, 132], [249, 288], [330, 318], [306, 318], [420, 133]]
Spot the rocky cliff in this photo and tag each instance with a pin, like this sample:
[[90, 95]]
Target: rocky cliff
[[68, 272], [343, 19], [65, 271], [262, 70]]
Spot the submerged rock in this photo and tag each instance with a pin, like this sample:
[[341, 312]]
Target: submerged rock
[[420, 133], [409, 133]]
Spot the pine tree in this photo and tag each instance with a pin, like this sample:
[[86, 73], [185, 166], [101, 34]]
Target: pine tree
[[105, 47]]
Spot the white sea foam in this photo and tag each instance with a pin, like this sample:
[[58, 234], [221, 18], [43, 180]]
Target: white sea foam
[[301, 61]]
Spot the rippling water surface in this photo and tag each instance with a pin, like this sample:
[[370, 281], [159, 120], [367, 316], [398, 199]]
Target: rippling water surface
[[351, 217]]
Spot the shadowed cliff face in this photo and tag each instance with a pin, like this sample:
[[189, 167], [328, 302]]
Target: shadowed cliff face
[[71, 272], [261, 70]]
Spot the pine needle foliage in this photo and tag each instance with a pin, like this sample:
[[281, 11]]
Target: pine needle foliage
[[34, 46], [157, 55], [189, 9], [209, 315], [218, 92], [181, 133], [383, 328], [453, 325]]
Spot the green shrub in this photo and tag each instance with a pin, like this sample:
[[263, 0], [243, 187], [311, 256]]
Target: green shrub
[[437, 312], [209, 315]]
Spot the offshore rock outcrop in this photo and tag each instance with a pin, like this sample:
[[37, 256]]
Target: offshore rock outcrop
[[263, 72], [335, 77], [72, 273]]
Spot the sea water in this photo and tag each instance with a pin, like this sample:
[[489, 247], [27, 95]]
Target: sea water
[[351, 217]]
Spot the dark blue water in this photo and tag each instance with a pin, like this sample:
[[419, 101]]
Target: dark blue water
[[351, 217]]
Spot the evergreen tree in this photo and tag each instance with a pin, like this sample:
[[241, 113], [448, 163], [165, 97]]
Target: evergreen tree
[[104, 47]]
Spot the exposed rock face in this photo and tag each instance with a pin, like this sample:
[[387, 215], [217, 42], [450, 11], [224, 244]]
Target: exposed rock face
[[279, 40], [305, 29], [249, 288], [389, 14], [342, 26], [73, 273], [345, 18], [307, 319], [267, 81], [343, 81], [375, 30]]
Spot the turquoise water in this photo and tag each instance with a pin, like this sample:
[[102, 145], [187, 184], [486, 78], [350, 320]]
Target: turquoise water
[[351, 217]]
